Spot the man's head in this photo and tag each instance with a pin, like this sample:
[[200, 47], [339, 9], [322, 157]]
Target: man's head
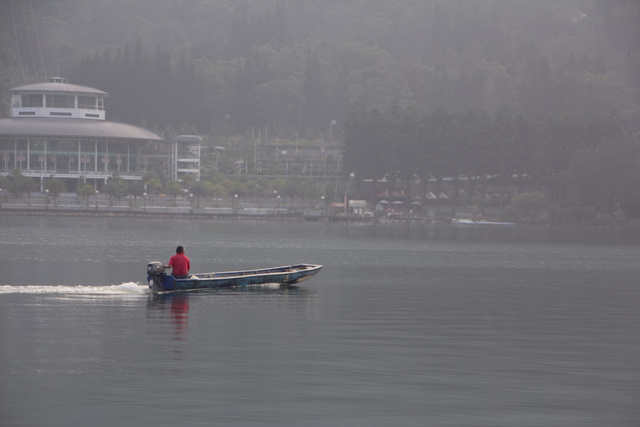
[[180, 250]]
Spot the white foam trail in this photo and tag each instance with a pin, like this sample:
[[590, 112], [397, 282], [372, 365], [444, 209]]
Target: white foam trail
[[128, 288], [133, 288]]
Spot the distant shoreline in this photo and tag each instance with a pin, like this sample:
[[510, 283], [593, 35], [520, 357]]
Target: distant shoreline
[[119, 212], [197, 213]]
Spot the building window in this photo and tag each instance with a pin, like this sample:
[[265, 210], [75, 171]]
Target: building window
[[87, 102], [32, 101], [55, 113], [60, 101]]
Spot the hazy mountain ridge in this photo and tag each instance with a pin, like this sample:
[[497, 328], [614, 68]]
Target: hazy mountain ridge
[[296, 65]]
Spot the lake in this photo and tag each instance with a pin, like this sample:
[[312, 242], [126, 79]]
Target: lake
[[422, 325]]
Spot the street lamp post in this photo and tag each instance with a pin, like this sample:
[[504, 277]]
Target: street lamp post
[[275, 200], [144, 202], [46, 192], [347, 189], [217, 151], [96, 194]]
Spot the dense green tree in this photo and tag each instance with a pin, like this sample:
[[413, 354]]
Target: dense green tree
[[377, 157], [398, 146], [388, 142], [86, 191], [406, 149], [312, 99], [276, 103], [457, 149], [55, 186], [242, 114], [292, 189], [606, 176], [18, 184], [436, 146], [504, 148], [480, 157], [236, 187], [136, 189], [529, 206], [216, 191], [354, 153], [201, 189], [174, 189], [115, 187]]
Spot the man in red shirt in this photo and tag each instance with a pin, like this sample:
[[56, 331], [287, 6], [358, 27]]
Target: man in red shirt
[[180, 264]]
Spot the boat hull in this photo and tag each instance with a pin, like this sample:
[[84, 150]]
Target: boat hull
[[287, 275]]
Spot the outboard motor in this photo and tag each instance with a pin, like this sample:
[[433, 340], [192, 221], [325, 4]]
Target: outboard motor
[[155, 273]]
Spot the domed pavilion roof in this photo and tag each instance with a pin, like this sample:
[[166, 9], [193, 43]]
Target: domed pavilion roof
[[74, 128]]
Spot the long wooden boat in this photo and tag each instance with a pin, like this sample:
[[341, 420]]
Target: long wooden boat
[[159, 281]]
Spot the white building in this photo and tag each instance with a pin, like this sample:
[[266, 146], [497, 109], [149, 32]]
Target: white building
[[185, 157], [57, 129]]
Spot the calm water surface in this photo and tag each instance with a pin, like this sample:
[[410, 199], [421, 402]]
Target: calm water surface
[[435, 325]]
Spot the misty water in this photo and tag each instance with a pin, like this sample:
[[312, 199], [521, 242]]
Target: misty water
[[430, 325]]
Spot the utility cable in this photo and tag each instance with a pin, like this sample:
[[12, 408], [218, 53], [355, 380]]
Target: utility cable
[[26, 30], [35, 27], [15, 31]]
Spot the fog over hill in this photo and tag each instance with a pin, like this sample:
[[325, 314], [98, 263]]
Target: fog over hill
[[293, 66]]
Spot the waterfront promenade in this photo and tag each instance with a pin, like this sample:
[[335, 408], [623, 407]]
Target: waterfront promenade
[[156, 207], [160, 206]]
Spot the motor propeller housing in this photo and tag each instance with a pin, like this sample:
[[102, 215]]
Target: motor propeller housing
[[155, 268], [155, 271]]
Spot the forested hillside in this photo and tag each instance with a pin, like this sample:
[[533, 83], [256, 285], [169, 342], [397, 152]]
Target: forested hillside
[[294, 66]]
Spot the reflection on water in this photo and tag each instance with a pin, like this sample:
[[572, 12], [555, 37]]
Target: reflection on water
[[176, 304]]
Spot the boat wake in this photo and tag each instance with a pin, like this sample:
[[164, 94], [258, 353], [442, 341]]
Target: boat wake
[[124, 289], [129, 288]]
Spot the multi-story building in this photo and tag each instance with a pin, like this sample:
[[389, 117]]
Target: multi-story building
[[58, 129]]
